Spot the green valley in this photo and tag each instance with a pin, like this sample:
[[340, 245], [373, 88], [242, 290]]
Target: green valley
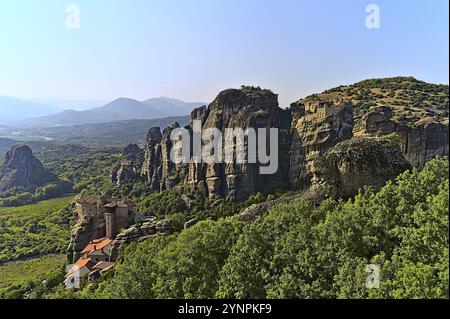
[[34, 230], [28, 271]]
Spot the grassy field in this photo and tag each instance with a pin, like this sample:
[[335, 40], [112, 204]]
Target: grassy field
[[35, 230], [29, 270]]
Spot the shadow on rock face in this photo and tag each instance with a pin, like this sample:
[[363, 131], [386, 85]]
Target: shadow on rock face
[[355, 164]]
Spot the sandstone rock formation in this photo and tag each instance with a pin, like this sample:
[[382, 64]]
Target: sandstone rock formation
[[353, 164], [307, 130], [22, 169], [248, 107], [159, 171], [316, 127], [129, 168], [418, 144], [151, 168]]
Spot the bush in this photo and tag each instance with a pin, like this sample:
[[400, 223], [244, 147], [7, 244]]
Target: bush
[[300, 252], [183, 266]]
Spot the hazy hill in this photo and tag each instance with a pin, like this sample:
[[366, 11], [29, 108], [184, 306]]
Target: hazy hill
[[172, 107], [73, 104], [71, 117], [413, 102], [125, 108], [13, 109], [119, 109]]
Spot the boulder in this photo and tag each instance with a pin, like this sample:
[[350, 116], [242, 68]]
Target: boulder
[[22, 169], [353, 164]]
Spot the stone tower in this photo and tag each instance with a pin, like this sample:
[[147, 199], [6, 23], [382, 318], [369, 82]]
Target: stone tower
[[110, 225]]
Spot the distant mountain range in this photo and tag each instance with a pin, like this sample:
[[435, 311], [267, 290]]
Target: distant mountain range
[[14, 109], [18, 112], [73, 104]]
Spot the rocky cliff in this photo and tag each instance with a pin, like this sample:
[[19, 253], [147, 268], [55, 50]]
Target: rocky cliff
[[22, 169], [248, 107], [316, 127], [309, 129], [415, 111], [419, 144], [132, 157]]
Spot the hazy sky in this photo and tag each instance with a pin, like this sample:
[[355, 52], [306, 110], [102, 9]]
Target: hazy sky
[[192, 49]]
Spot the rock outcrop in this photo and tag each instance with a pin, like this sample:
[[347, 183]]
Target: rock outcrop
[[139, 233], [151, 168], [307, 130], [246, 108], [129, 168], [353, 164], [159, 171], [22, 169], [316, 127], [418, 144]]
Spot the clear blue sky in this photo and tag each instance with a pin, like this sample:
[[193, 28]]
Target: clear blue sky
[[192, 49]]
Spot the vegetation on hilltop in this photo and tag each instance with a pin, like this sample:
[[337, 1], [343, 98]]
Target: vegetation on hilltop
[[413, 102], [86, 168]]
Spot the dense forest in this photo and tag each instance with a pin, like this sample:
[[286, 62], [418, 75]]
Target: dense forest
[[300, 251]]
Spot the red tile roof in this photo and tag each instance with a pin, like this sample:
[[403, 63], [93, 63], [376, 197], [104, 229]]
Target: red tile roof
[[96, 244], [82, 262]]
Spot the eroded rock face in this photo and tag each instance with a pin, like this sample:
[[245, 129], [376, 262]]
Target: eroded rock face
[[308, 130], [151, 168], [159, 171], [247, 107], [418, 144], [350, 165], [423, 143], [85, 230], [131, 151], [22, 169], [129, 168], [316, 127]]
